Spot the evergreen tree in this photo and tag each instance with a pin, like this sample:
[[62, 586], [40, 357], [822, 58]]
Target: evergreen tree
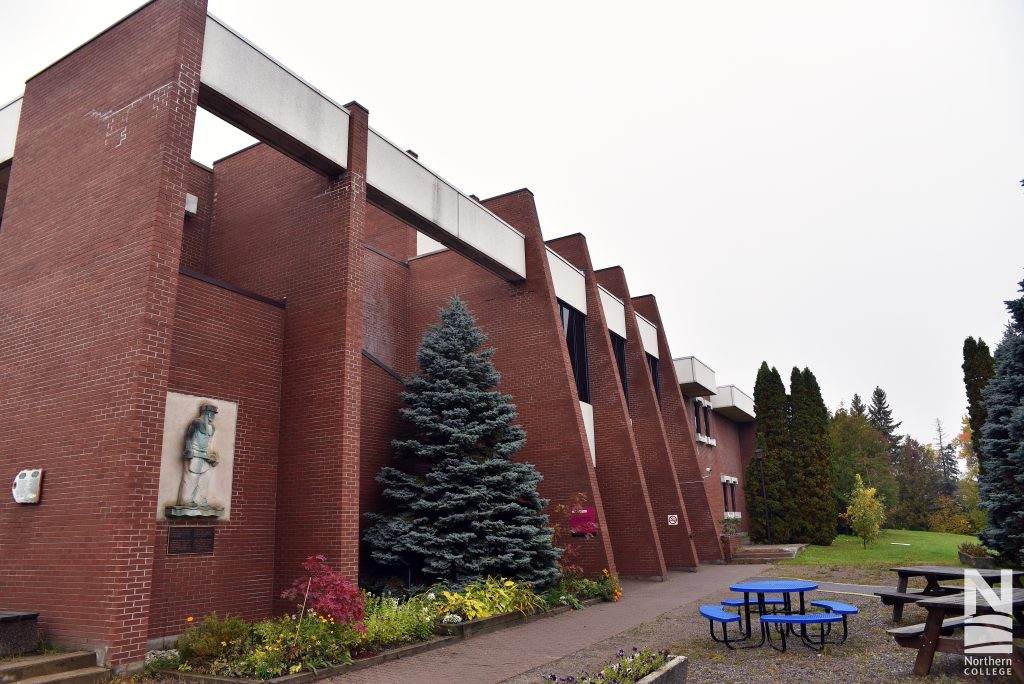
[[773, 440], [811, 475], [462, 509], [946, 456], [857, 407], [978, 369], [920, 485], [858, 447], [880, 415], [1002, 450]]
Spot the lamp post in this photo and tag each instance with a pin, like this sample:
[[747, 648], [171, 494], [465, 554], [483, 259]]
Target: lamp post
[[759, 455]]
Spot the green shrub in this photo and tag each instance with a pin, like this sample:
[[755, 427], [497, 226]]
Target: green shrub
[[973, 550], [487, 597], [213, 638], [390, 621]]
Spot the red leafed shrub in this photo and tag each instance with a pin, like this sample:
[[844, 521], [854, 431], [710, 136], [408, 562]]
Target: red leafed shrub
[[328, 592]]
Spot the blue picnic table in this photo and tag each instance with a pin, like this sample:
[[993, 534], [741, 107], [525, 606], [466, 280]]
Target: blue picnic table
[[759, 588]]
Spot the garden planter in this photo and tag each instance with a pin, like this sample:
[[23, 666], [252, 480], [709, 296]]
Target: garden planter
[[672, 672], [730, 545], [980, 562], [18, 633]]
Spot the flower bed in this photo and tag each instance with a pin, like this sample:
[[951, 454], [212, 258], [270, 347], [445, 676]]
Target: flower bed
[[337, 628], [641, 666]]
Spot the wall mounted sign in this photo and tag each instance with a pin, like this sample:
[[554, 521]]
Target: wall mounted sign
[[673, 520], [27, 485], [583, 521], [195, 540]]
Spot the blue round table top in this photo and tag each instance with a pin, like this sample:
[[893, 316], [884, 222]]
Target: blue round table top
[[774, 587]]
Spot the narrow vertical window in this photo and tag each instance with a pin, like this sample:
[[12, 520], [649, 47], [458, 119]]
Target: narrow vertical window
[[707, 420], [652, 363], [732, 492], [574, 325], [696, 414], [725, 495], [619, 349]]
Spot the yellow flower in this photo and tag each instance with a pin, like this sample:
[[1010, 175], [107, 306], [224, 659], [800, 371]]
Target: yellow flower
[[189, 619], [223, 643]]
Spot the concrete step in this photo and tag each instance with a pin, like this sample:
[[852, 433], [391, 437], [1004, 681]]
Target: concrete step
[[85, 675], [27, 667]]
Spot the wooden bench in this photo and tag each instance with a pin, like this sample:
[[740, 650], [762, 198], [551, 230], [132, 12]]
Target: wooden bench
[[723, 617], [908, 636], [784, 622], [897, 599]]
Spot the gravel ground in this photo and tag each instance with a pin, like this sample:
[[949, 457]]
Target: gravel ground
[[869, 655]]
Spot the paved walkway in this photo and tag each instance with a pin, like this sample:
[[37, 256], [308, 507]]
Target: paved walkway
[[499, 655]]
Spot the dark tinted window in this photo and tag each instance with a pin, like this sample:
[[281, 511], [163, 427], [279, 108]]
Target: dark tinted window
[[619, 349], [574, 325], [653, 364]]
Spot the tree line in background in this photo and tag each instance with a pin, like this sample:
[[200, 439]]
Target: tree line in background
[[857, 463]]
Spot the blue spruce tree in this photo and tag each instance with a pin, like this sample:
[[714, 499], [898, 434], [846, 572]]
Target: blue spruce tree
[[1002, 481], [462, 509]]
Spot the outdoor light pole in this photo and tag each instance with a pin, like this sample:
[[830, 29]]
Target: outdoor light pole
[[759, 455]]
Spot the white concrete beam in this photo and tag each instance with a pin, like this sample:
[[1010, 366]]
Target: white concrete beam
[[614, 312], [404, 187], [570, 283], [10, 116], [648, 335], [247, 88]]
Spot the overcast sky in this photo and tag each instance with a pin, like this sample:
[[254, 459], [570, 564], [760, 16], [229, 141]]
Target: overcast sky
[[824, 184]]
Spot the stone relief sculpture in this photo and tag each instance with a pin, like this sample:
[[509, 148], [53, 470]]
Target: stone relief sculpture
[[200, 460]]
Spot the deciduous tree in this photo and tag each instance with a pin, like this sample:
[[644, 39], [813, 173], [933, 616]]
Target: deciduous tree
[[866, 513]]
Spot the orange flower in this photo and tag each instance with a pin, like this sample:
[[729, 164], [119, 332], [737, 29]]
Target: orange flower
[[189, 619]]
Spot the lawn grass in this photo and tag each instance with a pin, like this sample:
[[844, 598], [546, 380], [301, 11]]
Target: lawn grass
[[925, 548]]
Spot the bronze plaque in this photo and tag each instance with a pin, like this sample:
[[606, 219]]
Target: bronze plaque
[[182, 540]]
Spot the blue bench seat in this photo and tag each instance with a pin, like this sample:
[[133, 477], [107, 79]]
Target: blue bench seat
[[723, 617], [738, 603], [718, 614], [783, 624], [806, 619], [837, 607]]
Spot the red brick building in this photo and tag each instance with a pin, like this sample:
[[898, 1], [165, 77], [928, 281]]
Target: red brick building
[[292, 281]]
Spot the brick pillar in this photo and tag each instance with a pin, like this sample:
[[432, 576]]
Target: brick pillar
[[318, 485], [682, 443], [627, 503], [652, 438], [89, 256]]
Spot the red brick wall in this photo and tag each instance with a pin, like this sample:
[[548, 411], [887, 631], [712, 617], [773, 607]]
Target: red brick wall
[[679, 431], [89, 254], [631, 523], [285, 231], [389, 234], [730, 456], [386, 335], [651, 437], [199, 182], [521, 321], [226, 346]]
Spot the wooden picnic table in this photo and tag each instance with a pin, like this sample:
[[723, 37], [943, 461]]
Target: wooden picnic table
[[933, 574], [928, 638]]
